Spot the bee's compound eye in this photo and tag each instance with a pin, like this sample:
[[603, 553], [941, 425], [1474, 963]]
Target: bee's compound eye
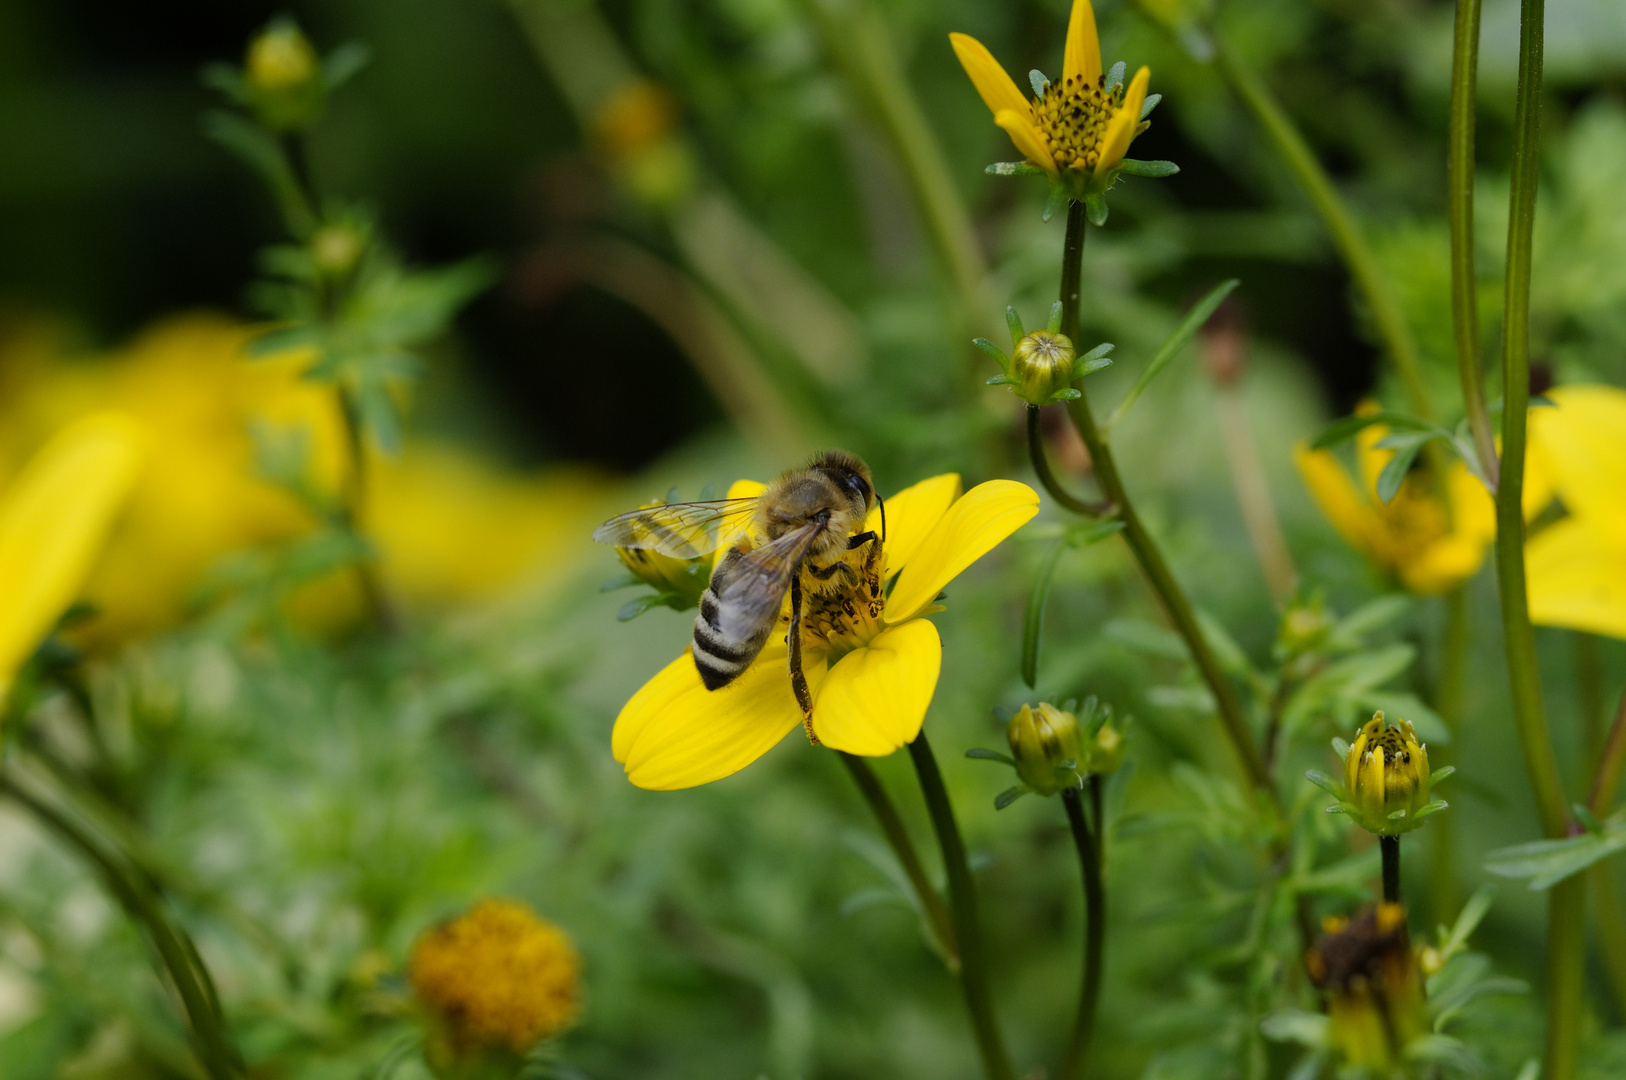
[[859, 486]]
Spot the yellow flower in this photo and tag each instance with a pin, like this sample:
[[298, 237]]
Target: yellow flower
[[54, 518], [871, 669], [1386, 778], [1373, 984], [1076, 128], [1430, 547], [495, 979], [1576, 566]]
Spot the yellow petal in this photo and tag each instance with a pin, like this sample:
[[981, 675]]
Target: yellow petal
[[910, 515], [1370, 458], [54, 519], [740, 489], [1121, 128], [1083, 56], [1028, 139], [1583, 442], [1576, 577], [1473, 512], [996, 88], [972, 527], [675, 733], [1443, 565], [874, 700], [1354, 517]]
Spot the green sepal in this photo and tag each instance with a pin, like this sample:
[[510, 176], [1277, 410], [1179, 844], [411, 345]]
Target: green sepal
[[1053, 202], [1065, 394], [1000, 380], [1440, 774], [979, 754], [1010, 795], [1155, 169], [1115, 77], [992, 350], [1039, 82], [1053, 325], [1095, 208], [1431, 809], [1340, 747], [637, 606], [1090, 366], [1325, 783], [1151, 103], [1014, 168], [620, 583], [1013, 322]]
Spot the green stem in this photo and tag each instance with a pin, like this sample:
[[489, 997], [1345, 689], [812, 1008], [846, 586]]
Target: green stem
[[1611, 762], [1460, 196], [1450, 679], [1566, 902], [355, 500], [175, 950], [1611, 930], [1387, 316], [1047, 477], [963, 901], [1095, 923], [936, 912], [1390, 846], [1033, 618], [1140, 541], [1589, 697]]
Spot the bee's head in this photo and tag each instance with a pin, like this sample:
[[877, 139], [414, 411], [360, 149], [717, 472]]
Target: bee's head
[[849, 474]]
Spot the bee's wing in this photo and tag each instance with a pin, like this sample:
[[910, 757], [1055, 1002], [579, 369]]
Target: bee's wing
[[755, 587], [681, 530]]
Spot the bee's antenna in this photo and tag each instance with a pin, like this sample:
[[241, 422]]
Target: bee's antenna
[[882, 504]]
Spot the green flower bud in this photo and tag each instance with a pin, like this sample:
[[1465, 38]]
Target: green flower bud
[[1386, 779], [1041, 366], [337, 248], [1374, 987], [283, 77], [1106, 751], [1045, 744]]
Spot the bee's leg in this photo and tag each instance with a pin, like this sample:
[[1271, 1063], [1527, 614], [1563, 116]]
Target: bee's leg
[[798, 680], [861, 539]]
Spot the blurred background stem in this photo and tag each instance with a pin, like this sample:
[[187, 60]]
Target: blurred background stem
[[1140, 541], [979, 999], [1387, 316], [1450, 680], [133, 892], [1566, 903], [1611, 759], [1460, 198], [1088, 845], [938, 918]]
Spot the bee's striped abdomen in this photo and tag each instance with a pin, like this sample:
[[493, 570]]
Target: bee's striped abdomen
[[719, 658]]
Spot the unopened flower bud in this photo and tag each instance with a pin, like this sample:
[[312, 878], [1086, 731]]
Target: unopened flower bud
[[1045, 743], [1041, 365], [284, 77], [1373, 985], [1106, 750], [336, 249], [1386, 778]]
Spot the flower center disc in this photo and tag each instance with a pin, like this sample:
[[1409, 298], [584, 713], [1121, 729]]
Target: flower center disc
[[1073, 117]]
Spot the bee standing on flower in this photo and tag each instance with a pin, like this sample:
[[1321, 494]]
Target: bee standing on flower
[[801, 535]]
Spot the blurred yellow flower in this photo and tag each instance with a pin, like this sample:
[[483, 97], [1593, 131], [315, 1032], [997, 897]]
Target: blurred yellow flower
[[1373, 985], [871, 666], [449, 526], [1576, 567], [54, 517], [1077, 126], [1429, 546], [496, 978]]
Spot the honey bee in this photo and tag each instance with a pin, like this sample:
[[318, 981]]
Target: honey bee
[[796, 536]]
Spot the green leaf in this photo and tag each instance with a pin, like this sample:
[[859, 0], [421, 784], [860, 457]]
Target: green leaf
[[1176, 341], [1226, 651], [1156, 169], [1468, 920], [1147, 638], [1010, 795], [1394, 473], [1014, 168], [637, 606], [1349, 631], [1095, 208], [1151, 103], [1033, 619], [343, 63], [1000, 380], [1347, 427], [1547, 862], [980, 754], [1297, 1026], [1084, 534], [260, 151], [281, 340]]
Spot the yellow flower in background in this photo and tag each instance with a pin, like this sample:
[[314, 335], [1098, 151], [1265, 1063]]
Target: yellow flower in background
[[451, 526], [1373, 985], [871, 666], [1576, 567], [54, 517], [1076, 127], [496, 979], [1430, 546]]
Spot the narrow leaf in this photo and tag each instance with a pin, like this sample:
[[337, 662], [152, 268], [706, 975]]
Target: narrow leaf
[[1033, 620], [1176, 341], [1155, 169]]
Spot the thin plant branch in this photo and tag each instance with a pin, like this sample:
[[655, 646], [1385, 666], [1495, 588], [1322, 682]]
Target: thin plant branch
[[1089, 845], [1048, 478], [1460, 198]]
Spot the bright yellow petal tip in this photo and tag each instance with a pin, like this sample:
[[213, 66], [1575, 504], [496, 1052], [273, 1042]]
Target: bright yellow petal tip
[[972, 527], [874, 700], [1121, 128], [910, 515], [995, 87], [1083, 55]]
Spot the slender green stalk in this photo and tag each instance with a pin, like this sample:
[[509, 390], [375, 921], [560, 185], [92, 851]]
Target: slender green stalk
[[1139, 539], [1047, 477], [1611, 762], [979, 999], [355, 500], [1566, 902], [1340, 223], [1073, 1063], [931, 901], [1390, 846], [1589, 697], [1460, 192], [175, 950], [1443, 893]]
